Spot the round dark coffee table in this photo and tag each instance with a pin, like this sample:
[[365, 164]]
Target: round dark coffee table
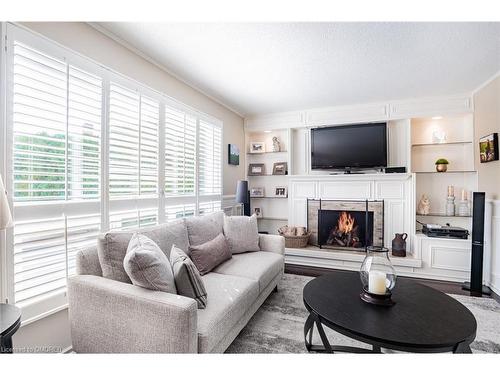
[[423, 320], [10, 320]]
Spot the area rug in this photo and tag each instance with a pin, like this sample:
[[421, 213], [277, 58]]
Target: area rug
[[278, 325]]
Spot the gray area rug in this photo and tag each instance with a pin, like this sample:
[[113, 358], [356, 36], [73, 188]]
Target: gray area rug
[[278, 325]]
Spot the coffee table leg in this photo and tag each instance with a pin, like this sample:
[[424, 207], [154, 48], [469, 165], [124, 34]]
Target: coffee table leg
[[308, 330], [462, 348]]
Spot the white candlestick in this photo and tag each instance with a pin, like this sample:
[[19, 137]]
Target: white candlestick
[[450, 190], [464, 195], [377, 282]]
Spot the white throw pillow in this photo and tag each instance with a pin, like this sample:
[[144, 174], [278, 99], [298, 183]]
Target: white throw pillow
[[241, 233], [147, 266]]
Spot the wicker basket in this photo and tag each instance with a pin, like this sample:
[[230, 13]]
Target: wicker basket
[[296, 241]]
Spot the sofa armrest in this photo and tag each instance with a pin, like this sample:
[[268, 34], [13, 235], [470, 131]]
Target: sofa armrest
[[111, 316], [272, 243]]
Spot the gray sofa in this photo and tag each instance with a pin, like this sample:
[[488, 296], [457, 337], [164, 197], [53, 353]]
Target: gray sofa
[[110, 316]]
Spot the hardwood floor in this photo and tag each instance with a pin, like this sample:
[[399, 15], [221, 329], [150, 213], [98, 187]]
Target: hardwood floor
[[443, 286]]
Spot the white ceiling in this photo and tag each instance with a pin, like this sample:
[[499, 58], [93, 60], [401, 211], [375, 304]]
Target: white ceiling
[[258, 68]]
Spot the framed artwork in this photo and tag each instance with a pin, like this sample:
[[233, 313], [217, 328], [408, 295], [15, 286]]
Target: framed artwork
[[280, 168], [233, 154], [256, 169], [257, 147], [257, 211], [488, 148], [257, 192], [281, 191]]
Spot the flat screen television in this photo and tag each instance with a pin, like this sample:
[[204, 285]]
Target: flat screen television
[[349, 146]]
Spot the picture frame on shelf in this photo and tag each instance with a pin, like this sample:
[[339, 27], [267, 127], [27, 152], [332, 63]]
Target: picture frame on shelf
[[257, 147], [280, 168], [233, 154], [257, 192], [281, 192], [256, 169], [258, 212], [488, 148]]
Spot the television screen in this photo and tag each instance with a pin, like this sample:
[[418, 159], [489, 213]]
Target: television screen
[[349, 146]]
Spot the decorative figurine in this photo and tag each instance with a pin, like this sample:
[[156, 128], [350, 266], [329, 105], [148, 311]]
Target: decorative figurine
[[450, 201], [424, 205], [276, 145]]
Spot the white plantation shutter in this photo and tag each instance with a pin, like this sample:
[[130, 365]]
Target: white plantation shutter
[[180, 152], [179, 211], [210, 159], [123, 141], [133, 157], [39, 125]]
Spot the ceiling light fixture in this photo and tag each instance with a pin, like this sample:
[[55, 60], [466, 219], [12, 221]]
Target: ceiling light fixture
[[437, 117], [267, 131]]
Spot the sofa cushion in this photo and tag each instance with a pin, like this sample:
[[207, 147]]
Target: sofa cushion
[[241, 233], [147, 266], [230, 297], [260, 266], [112, 246], [188, 280], [209, 255], [202, 229]]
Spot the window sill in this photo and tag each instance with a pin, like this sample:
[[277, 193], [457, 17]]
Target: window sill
[[43, 315]]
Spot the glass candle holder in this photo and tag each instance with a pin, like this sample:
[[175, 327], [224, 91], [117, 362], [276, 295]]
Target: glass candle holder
[[378, 276]]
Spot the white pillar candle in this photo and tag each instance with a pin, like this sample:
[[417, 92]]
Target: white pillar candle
[[377, 282]]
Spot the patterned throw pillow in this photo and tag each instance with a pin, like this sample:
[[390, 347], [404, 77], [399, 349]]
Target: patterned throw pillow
[[209, 255], [187, 277], [147, 266]]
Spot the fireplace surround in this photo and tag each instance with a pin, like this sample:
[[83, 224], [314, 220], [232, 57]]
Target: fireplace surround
[[345, 224]]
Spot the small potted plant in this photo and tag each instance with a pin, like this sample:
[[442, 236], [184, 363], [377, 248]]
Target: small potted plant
[[442, 165]]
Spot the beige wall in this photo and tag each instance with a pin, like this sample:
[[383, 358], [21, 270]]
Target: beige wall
[[487, 121], [86, 40]]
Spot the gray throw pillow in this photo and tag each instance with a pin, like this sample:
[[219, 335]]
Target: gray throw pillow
[[202, 229], [147, 266], [241, 233], [209, 255], [112, 246], [187, 278]]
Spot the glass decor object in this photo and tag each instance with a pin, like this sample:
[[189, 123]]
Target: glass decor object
[[378, 276]]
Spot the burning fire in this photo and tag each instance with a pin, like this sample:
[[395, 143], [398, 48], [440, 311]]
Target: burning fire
[[345, 224]]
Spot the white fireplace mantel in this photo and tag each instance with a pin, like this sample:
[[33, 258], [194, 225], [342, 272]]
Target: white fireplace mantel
[[396, 190]]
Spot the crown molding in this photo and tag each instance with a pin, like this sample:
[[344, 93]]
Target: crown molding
[[160, 66], [486, 83]]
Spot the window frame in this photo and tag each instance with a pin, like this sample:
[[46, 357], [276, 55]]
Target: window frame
[[103, 205]]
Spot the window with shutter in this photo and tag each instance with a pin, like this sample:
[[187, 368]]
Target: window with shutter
[[67, 118], [56, 151]]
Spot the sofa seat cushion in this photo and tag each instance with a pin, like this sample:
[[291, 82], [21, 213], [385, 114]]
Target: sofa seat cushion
[[229, 298], [261, 266]]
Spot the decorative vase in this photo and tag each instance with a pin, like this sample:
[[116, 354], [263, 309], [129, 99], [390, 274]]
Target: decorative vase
[[399, 245], [441, 167], [463, 208], [450, 206], [276, 145], [378, 277]]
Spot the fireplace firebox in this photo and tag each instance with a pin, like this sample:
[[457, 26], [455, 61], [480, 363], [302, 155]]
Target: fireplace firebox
[[345, 224], [349, 229]]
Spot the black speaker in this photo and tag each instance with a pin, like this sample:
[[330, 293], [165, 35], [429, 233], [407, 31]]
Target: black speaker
[[476, 275]]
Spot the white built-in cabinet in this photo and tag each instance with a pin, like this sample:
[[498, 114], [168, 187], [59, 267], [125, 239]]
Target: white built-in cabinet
[[412, 126]]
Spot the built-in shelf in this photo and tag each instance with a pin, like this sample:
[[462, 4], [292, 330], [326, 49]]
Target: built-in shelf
[[444, 215], [441, 144], [267, 152]]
